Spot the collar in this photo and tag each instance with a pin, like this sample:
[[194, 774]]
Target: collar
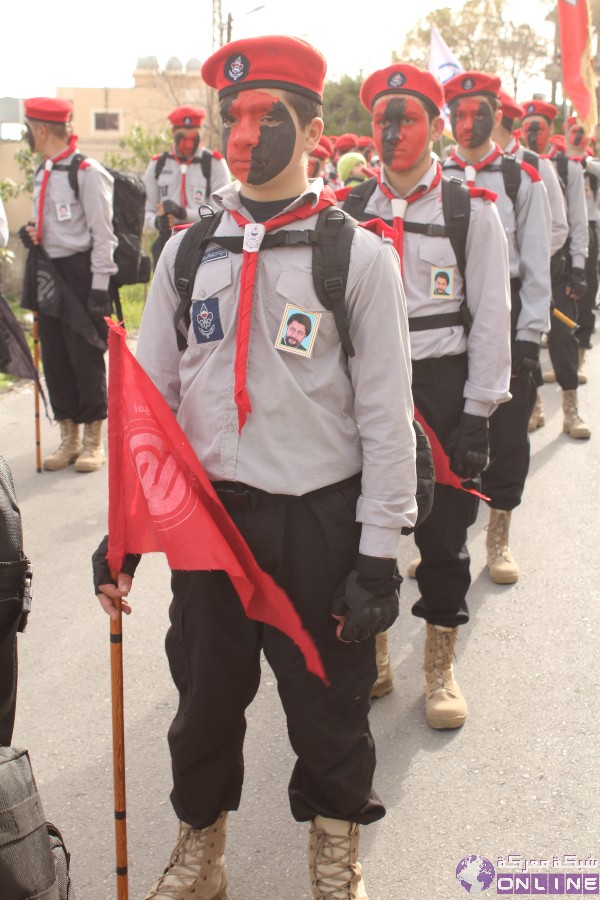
[[228, 197], [492, 150], [423, 184], [512, 146]]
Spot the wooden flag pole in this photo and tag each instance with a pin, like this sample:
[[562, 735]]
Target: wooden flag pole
[[118, 725], [36, 362]]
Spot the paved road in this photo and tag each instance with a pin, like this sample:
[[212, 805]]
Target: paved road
[[519, 778]]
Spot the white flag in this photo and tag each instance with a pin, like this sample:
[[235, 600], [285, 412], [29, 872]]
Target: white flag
[[443, 65]]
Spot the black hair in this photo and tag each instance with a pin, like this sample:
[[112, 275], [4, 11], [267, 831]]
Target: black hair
[[305, 109], [443, 275], [303, 320]]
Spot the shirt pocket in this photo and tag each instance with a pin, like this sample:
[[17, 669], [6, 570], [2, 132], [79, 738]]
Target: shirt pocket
[[437, 258], [212, 312], [295, 292]]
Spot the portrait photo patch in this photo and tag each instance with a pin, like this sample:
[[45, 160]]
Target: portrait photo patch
[[206, 320], [442, 282], [297, 331]]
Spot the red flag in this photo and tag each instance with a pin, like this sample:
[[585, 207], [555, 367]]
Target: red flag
[[441, 463], [578, 78], [160, 500]]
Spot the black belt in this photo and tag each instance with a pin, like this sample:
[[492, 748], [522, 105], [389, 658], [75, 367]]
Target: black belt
[[238, 497]]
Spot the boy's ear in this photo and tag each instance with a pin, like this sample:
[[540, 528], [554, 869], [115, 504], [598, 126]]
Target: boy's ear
[[313, 134], [437, 128]]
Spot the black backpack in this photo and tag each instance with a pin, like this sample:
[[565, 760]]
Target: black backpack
[[129, 201], [204, 160], [331, 241]]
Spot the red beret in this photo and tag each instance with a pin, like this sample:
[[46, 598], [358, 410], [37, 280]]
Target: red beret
[[325, 145], [509, 106], [558, 141], [345, 142], [540, 108], [402, 78], [48, 109], [320, 152], [277, 61], [469, 83], [187, 116], [365, 141]]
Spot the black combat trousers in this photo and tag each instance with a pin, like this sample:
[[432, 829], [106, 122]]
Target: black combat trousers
[[586, 319], [444, 574], [563, 346], [308, 545]]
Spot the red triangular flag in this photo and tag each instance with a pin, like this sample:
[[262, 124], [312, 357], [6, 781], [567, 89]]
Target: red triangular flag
[[441, 463], [160, 499]]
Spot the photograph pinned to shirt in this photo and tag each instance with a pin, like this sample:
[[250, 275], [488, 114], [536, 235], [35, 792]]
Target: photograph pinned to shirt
[[442, 282], [63, 212], [199, 195], [297, 331]]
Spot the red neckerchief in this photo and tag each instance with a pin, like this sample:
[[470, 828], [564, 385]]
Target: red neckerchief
[[471, 170], [400, 204], [48, 166], [183, 165], [254, 233]]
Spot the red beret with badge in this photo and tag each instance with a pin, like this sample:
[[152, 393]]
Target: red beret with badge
[[539, 108], [187, 116], [509, 106], [272, 61], [468, 84], [48, 109], [405, 79]]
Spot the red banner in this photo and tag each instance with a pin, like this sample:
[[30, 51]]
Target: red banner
[[160, 500], [578, 77]]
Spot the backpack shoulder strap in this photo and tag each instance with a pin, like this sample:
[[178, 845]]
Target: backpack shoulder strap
[[511, 173], [189, 256], [74, 166], [356, 201], [532, 159], [160, 163], [330, 264], [562, 166], [456, 206], [206, 166]]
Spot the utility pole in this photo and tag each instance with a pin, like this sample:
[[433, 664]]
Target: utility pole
[[213, 137]]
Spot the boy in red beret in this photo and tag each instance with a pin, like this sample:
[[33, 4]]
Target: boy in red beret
[[569, 283], [311, 450], [474, 102], [181, 180], [71, 242], [460, 375]]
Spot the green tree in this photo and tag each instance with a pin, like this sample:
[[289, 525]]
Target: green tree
[[484, 39], [342, 110], [139, 146], [28, 163]]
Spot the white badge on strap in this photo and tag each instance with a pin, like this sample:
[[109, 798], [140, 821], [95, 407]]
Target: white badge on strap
[[184, 168], [254, 233], [398, 207], [470, 173]]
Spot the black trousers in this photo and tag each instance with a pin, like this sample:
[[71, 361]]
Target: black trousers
[[563, 346], [444, 574], [308, 545], [75, 371], [504, 479], [585, 305]]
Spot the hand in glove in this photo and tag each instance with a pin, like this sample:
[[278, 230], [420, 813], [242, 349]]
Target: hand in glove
[[576, 284], [468, 446], [367, 600], [162, 226], [425, 477], [173, 209], [99, 304], [525, 357], [108, 589], [25, 236]]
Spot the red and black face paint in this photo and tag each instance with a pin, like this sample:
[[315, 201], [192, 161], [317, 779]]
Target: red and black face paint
[[186, 143], [400, 131], [259, 136], [576, 136], [471, 120], [536, 132]]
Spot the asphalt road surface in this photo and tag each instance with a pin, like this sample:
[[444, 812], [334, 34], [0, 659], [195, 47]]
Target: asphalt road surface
[[520, 778]]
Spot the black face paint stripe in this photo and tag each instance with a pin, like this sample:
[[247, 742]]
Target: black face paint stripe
[[395, 112], [533, 136]]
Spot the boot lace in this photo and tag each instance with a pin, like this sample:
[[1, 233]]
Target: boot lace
[[185, 859], [440, 656], [335, 853], [499, 538]]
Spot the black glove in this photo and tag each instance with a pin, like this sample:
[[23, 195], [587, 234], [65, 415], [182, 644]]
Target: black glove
[[100, 568], [368, 597], [468, 446], [576, 283], [525, 357], [162, 226], [25, 238], [173, 209], [99, 304]]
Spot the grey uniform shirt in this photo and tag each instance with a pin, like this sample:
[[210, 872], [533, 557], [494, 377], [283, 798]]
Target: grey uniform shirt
[[527, 227], [576, 211], [488, 343], [558, 211], [77, 224], [168, 185], [317, 419]]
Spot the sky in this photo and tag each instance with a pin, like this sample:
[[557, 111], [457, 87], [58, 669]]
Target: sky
[[99, 45]]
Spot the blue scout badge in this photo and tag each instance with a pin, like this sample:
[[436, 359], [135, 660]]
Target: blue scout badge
[[206, 320]]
